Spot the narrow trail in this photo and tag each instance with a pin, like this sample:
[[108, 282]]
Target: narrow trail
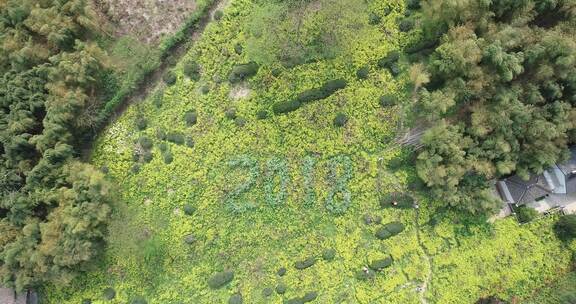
[[424, 287], [153, 80]]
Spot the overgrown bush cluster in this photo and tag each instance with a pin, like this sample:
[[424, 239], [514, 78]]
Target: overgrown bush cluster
[[327, 89]]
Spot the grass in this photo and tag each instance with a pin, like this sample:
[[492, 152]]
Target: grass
[[260, 192]]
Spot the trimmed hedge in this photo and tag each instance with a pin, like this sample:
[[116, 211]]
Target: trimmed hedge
[[266, 292], [189, 209], [300, 265], [308, 297], [389, 230], [340, 120], [176, 137], [235, 299], [220, 279], [329, 254], [242, 72], [363, 72], [378, 265], [327, 89], [281, 288], [281, 271], [191, 118]]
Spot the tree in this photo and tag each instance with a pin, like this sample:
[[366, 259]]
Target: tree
[[565, 228]]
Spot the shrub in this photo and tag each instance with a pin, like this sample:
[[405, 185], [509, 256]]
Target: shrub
[[406, 25], [397, 162], [135, 168], [192, 70], [145, 142], [238, 48], [276, 72], [378, 265], [104, 169], [286, 106], [160, 134], [310, 296], [169, 77], [230, 113], [413, 4], [135, 156], [365, 274], [333, 85], [389, 230], [168, 158], [374, 19], [108, 294], [363, 72], [163, 147], [240, 121], [397, 200], [394, 69], [141, 122], [148, 156], [262, 114], [387, 100], [189, 209], [218, 15], [189, 239], [340, 120], [189, 142], [369, 219], [220, 279], [565, 228], [175, 137], [158, 98], [525, 214], [281, 271], [235, 299], [205, 89], [243, 71], [300, 265], [329, 254], [267, 292], [390, 58], [281, 288], [86, 301], [138, 300], [191, 117]]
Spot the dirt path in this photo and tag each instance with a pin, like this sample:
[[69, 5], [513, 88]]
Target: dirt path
[[153, 80], [424, 287]]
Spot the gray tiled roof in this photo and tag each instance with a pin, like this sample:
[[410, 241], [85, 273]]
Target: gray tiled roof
[[523, 192]]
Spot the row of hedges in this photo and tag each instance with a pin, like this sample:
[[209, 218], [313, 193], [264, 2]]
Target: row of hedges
[[327, 89]]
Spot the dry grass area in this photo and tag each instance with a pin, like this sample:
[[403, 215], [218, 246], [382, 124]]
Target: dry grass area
[[148, 20]]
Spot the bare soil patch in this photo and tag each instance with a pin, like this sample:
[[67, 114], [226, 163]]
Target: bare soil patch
[[147, 20]]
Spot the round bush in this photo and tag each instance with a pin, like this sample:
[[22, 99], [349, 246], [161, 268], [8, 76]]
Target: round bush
[[169, 78], [310, 296], [406, 25], [218, 15], [163, 147], [267, 292], [175, 137], [374, 19], [394, 227], [387, 100], [108, 294], [413, 4], [565, 228], [148, 156], [145, 142], [240, 121], [281, 271], [192, 70], [205, 89], [242, 72], [329, 254], [235, 299], [230, 113], [340, 120], [378, 265], [220, 279], [238, 48], [135, 168], [190, 117], [281, 288], [168, 158], [141, 123], [189, 142], [300, 265], [276, 72], [189, 209], [160, 134], [262, 114], [363, 72]]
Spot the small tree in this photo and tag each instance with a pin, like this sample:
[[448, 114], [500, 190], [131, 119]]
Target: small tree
[[565, 228]]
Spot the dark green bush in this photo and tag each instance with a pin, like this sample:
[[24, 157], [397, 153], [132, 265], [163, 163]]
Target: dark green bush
[[363, 72], [108, 294], [230, 113], [190, 239], [205, 89], [238, 48], [163, 147], [262, 114], [390, 58], [243, 71], [329, 254], [340, 120], [145, 142], [525, 214], [381, 264], [141, 122], [168, 158], [267, 292], [286, 106], [189, 209], [138, 300], [189, 142], [394, 69], [135, 168], [383, 234], [276, 72], [565, 228], [160, 134], [374, 19], [305, 263], [389, 230], [191, 117], [333, 85], [235, 299], [388, 100], [365, 274], [158, 98], [169, 77], [147, 156], [218, 15], [413, 4], [310, 296], [406, 25], [281, 288], [297, 300], [175, 137], [281, 271], [86, 301], [397, 200], [240, 121], [192, 70], [220, 279]]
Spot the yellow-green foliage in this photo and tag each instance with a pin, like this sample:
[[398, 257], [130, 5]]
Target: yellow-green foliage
[[275, 231]]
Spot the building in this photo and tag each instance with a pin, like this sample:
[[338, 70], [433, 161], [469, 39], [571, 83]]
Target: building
[[555, 188]]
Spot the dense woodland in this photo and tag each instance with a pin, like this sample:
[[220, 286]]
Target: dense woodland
[[497, 85], [53, 208]]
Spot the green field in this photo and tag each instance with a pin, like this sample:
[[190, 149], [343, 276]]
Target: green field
[[252, 195]]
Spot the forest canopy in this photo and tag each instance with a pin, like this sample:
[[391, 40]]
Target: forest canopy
[[496, 81]]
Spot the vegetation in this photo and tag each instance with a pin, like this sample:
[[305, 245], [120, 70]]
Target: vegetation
[[565, 228]]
